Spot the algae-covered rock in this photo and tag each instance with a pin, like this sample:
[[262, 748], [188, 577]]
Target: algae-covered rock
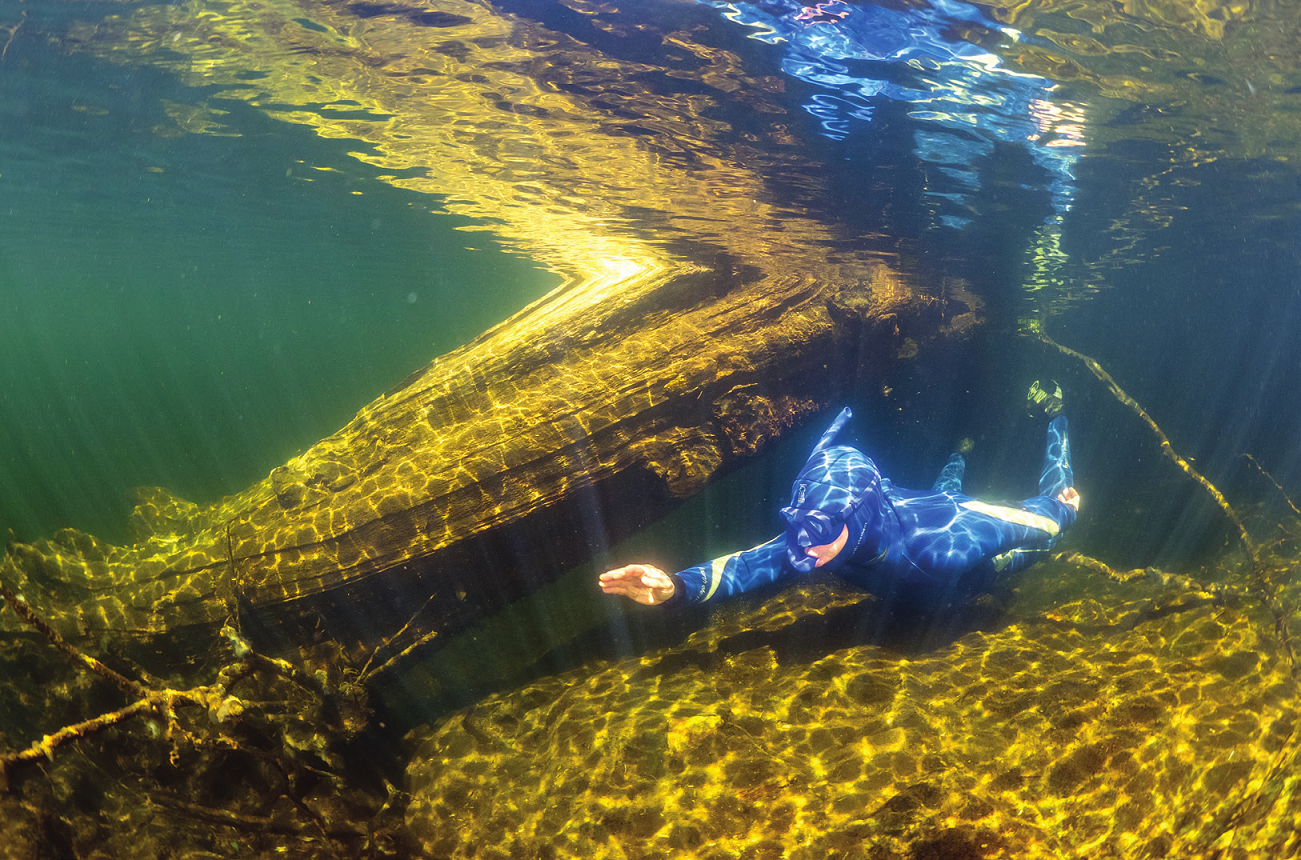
[[456, 484], [692, 322], [1089, 731]]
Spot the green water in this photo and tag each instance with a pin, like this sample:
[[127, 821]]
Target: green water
[[191, 311]]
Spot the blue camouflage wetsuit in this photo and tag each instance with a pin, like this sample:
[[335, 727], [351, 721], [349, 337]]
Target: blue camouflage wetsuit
[[932, 536]]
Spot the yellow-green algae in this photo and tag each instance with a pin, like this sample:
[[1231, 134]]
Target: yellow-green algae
[[673, 253], [1129, 723]]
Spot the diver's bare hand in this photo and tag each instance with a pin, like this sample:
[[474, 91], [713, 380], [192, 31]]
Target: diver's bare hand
[[644, 583], [1068, 496]]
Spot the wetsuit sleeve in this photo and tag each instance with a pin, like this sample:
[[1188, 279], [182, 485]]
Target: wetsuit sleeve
[[1056, 510], [734, 574]]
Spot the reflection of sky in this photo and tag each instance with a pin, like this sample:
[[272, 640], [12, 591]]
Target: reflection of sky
[[860, 53]]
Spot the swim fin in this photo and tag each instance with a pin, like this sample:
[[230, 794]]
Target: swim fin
[[1044, 400]]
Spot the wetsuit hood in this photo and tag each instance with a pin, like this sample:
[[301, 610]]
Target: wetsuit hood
[[838, 487]]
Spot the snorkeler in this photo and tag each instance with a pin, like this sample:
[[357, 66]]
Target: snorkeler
[[846, 518]]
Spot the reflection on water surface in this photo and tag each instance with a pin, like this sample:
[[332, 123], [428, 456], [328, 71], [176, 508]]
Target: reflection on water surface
[[755, 212]]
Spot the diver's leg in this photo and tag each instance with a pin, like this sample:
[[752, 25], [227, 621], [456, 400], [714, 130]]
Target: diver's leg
[[1057, 474], [950, 479]]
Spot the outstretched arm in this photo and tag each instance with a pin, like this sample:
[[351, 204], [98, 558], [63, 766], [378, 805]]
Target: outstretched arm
[[731, 574], [644, 583]]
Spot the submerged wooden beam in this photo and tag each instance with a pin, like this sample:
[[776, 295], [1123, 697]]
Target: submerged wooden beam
[[644, 395], [702, 314]]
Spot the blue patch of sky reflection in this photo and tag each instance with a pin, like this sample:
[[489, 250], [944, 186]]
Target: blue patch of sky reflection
[[861, 53]]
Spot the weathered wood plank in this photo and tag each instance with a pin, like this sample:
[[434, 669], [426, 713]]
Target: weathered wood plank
[[658, 390]]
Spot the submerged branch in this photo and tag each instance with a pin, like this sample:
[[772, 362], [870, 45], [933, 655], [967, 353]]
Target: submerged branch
[[392, 661], [45, 747], [1166, 448], [1261, 582], [1186, 583], [366, 672], [25, 612], [1283, 492], [216, 699], [13, 31], [220, 705]]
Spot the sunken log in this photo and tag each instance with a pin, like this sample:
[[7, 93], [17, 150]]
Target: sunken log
[[592, 402], [700, 311]]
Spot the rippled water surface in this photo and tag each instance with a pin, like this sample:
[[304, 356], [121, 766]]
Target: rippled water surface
[[411, 317]]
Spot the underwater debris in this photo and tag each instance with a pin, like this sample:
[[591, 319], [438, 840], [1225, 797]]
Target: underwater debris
[[1156, 716], [1215, 590], [12, 30], [488, 452], [257, 751], [367, 673], [673, 346], [1166, 448], [1266, 587], [1270, 478], [1157, 713]]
